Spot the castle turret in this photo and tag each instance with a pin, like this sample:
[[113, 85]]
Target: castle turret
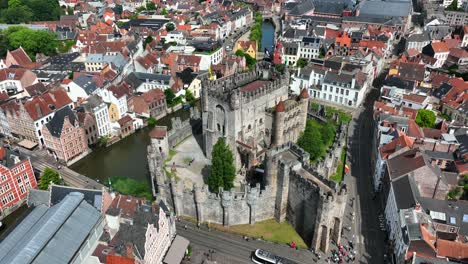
[[304, 100], [200, 198], [282, 191], [279, 123]]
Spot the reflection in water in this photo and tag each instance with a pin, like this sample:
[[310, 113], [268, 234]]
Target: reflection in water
[[126, 158], [268, 35]]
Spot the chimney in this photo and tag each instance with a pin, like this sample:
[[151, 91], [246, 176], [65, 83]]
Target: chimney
[[38, 110]]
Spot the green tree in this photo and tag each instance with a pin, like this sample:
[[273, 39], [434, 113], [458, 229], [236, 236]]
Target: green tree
[[280, 67], [301, 63], [223, 171], [70, 11], [150, 6], [151, 121], [240, 53], [453, 6], [49, 175], [147, 41], [311, 140], [164, 11], [170, 27], [425, 118], [170, 96], [189, 98], [249, 61], [45, 10], [16, 15], [328, 131], [3, 44], [32, 41]]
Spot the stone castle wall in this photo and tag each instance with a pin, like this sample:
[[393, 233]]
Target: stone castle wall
[[226, 208], [182, 129], [303, 201]]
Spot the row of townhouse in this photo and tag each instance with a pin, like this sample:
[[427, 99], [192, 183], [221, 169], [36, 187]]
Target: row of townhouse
[[344, 83], [418, 168]]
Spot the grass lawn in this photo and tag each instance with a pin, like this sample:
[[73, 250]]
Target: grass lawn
[[171, 155], [270, 230], [338, 176], [343, 116]]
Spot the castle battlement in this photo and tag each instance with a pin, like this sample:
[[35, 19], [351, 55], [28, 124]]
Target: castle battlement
[[244, 85]]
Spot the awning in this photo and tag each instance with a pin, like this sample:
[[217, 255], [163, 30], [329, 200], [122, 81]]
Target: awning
[[176, 252], [27, 144]]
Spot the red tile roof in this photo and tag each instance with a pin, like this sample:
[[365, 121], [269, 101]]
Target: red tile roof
[[20, 56], [153, 95], [45, 104], [414, 130], [111, 259], [452, 249], [414, 98], [124, 120], [439, 47], [304, 94], [400, 142], [158, 132], [253, 86], [280, 106]]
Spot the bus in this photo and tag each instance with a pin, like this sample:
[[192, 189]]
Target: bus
[[261, 256]]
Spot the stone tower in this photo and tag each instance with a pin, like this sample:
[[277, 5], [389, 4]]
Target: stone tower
[[158, 176], [279, 123], [304, 101], [282, 191]]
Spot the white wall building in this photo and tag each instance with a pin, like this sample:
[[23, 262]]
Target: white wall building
[[95, 105], [208, 59], [342, 88]]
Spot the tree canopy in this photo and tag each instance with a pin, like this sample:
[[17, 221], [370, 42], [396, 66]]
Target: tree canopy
[[49, 175], [150, 6], [223, 171], [189, 98], [170, 96], [25, 11], [256, 30], [311, 140], [170, 27], [301, 62], [147, 41], [425, 118], [32, 41]]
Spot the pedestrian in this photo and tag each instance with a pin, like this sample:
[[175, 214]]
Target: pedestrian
[[185, 227]]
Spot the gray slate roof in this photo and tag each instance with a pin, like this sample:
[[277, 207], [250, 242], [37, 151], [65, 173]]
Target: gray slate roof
[[384, 9], [87, 83], [56, 124], [51, 235], [58, 193]]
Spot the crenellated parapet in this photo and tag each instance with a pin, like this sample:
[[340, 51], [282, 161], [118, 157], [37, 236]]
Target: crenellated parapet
[[229, 89]]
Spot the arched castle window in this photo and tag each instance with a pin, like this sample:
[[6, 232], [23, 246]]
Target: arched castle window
[[220, 117], [261, 120], [249, 127]]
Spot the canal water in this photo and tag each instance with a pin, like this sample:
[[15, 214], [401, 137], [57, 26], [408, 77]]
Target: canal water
[[268, 35], [126, 158]]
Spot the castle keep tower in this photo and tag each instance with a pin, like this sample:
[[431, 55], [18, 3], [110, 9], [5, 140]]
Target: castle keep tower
[[235, 107]]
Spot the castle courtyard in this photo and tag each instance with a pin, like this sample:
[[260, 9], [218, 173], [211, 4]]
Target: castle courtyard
[[189, 171]]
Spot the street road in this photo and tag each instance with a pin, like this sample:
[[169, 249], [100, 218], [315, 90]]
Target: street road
[[40, 160], [370, 239], [230, 248]]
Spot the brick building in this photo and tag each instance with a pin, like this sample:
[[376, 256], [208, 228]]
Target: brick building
[[16, 178], [64, 137]]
